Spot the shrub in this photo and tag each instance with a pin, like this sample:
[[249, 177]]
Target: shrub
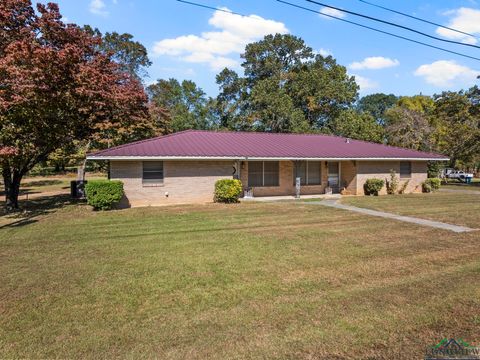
[[373, 186], [392, 184], [227, 190], [403, 187], [432, 184], [433, 169], [103, 194], [426, 187]]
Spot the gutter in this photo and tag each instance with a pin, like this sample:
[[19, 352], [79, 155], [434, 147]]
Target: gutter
[[246, 158]]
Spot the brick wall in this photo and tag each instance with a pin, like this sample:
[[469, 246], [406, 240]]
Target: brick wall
[[381, 170], [185, 181], [348, 177], [194, 181]]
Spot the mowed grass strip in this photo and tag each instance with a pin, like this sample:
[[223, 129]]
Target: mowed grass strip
[[44, 185], [281, 280], [454, 208]]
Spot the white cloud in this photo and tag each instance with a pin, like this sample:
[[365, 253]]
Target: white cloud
[[176, 70], [323, 52], [215, 47], [98, 7], [331, 12], [444, 73], [464, 19], [216, 63], [374, 63], [365, 83]]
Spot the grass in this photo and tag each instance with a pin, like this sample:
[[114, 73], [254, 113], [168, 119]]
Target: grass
[[455, 208], [274, 280], [457, 185], [50, 184], [41, 195]]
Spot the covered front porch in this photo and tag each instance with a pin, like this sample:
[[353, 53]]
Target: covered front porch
[[278, 178]]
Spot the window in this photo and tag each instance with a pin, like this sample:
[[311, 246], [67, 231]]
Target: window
[[263, 173], [405, 169], [152, 172], [309, 172], [314, 171], [270, 173]]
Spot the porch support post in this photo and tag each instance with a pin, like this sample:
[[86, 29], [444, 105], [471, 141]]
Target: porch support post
[[238, 168], [340, 183]]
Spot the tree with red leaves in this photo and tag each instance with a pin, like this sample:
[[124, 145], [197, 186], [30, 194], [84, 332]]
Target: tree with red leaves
[[56, 86]]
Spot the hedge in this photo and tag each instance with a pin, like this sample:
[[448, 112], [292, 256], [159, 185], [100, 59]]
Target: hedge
[[227, 190], [430, 185], [103, 194], [373, 186]]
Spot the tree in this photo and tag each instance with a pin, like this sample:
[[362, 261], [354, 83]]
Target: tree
[[131, 55], [131, 58], [408, 128], [283, 79], [376, 105], [457, 117], [56, 87], [322, 89], [275, 113], [355, 125], [420, 103], [232, 106], [180, 106], [410, 123]]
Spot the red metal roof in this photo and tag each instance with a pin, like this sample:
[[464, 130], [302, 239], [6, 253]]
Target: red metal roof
[[215, 144]]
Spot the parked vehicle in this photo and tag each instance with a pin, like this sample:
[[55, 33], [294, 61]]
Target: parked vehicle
[[458, 175]]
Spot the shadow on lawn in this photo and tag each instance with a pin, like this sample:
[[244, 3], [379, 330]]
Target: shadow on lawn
[[32, 209], [39, 183], [28, 187]]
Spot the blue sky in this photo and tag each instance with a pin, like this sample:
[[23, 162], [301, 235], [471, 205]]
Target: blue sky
[[186, 42]]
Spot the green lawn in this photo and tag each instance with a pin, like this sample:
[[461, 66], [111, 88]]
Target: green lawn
[[274, 280], [457, 185], [50, 184], [455, 208], [43, 193]]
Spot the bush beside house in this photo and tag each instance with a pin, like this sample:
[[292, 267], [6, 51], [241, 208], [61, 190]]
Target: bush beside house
[[431, 185], [373, 186], [392, 184], [104, 194], [403, 188], [227, 190]]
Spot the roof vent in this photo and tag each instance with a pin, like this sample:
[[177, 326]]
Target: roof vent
[[347, 140]]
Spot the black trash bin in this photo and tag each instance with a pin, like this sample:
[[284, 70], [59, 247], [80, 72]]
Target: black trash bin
[[77, 189]]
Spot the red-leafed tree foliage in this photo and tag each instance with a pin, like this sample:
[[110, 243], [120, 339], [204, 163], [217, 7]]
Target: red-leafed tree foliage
[[55, 86]]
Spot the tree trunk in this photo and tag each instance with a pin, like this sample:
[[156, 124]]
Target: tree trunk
[[12, 188]]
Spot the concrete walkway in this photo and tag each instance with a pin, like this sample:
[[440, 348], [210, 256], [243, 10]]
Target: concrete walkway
[[409, 219]]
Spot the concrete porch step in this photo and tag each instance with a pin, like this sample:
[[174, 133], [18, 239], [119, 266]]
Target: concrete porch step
[[290, 198]]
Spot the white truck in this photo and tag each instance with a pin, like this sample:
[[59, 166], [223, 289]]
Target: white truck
[[458, 175]]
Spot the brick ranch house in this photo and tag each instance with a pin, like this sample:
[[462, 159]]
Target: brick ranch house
[[183, 167]]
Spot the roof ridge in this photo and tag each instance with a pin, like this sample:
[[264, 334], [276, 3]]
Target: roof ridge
[[263, 132]]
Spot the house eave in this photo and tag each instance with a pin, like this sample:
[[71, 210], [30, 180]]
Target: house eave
[[246, 158]]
